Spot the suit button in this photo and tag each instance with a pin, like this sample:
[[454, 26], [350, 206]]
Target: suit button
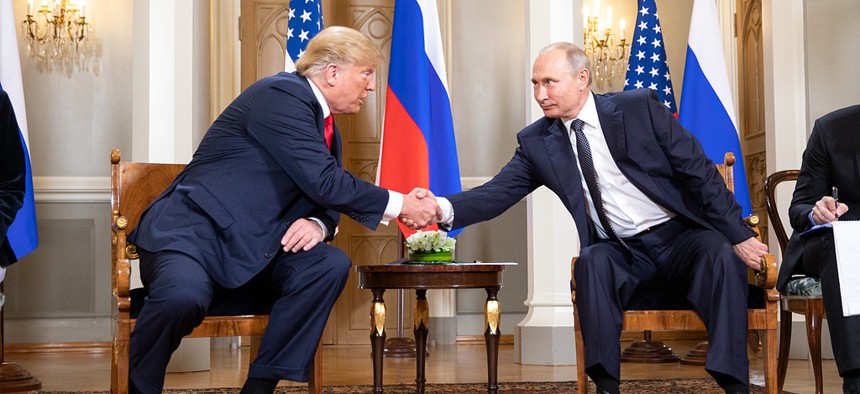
[[268, 254]]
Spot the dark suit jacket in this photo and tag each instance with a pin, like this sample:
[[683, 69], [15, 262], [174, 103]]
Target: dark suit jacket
[[12, 172], [831, 158], [651, 148], [262, 165]]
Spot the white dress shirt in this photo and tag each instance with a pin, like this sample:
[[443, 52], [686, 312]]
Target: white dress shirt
[[628, 209]]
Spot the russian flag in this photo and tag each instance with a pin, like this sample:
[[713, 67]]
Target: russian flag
[[707, 108], [22, 234], [418, 147]]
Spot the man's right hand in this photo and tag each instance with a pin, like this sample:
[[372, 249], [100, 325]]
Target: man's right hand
[[826, 210], [419, 209]]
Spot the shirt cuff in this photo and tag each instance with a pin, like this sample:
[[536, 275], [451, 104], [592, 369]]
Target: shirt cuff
[[447, 212], [392, 210], [811, 220], [322, 226]]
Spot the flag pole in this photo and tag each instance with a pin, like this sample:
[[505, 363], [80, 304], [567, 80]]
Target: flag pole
[[13, 377]]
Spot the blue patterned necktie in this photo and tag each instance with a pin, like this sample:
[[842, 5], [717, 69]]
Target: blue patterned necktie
[[586, 165]]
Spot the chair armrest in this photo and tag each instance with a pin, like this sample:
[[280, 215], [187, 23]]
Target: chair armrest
[[572, 280], [121, 266], [766, 278]]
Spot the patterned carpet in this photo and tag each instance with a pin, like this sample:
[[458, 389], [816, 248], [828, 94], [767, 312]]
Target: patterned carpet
[[672, 386]]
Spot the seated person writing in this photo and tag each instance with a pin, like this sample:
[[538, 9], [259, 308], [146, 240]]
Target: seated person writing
[[831, 162]]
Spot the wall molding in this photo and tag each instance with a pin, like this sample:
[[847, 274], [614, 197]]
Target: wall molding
[[68, 189], [471, 182], [96, 189]]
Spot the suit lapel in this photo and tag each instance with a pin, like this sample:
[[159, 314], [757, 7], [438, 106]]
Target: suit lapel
[[561, 157], [335, 139], [616, 138], [335, 145], [857, 149], [613, 128]]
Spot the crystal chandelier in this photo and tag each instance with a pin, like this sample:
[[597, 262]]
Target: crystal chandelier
[[58, 34], [607, 52]]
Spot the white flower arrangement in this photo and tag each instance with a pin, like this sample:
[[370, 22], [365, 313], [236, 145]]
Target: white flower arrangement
[[430, 242]]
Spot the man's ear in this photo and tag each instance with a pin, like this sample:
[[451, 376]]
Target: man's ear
[[331, 72], [583, 78]]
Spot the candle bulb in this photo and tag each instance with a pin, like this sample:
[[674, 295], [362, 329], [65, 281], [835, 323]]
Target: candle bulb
[[585, 16], [623, 25], [29, 7], [608, 18]]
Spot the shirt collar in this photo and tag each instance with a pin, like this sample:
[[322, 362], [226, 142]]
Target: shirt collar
[[587, 114], [320, 98]]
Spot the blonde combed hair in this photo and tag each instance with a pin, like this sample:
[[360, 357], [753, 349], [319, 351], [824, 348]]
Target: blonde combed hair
[[339, 45]]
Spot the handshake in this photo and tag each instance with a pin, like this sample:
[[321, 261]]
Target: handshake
[[419, 209]]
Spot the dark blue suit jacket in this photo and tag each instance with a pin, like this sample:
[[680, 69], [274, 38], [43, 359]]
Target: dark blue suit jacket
[[650, 147], [831, 158], [12, 171], [262, 165]]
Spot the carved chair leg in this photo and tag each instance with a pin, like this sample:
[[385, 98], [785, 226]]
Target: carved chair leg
[[814, 314], [315, 381], [784, 344], [581, 377], [768, 345]]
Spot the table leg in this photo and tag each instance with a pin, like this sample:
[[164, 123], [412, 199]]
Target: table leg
[[422, 318], [377, 337], [492, 334]]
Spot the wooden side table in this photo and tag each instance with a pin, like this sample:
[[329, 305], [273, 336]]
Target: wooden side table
[[422, 277]]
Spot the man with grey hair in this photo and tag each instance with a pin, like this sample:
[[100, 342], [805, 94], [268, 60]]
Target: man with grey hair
[[248, 217], [647, 202]]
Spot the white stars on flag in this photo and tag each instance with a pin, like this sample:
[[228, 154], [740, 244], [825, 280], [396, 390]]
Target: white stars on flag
[[306, 19], [650, 55]]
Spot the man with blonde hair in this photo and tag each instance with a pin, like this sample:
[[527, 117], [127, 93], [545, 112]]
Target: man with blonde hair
[[248, 217]]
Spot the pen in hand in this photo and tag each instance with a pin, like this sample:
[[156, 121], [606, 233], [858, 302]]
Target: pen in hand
[[836, 201]]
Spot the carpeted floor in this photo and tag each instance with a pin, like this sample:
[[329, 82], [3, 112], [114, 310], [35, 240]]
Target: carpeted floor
[[673, 386]]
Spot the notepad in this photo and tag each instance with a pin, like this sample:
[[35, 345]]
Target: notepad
[[845, 236]]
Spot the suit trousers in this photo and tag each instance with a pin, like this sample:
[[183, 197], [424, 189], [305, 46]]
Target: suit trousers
[[819, 260], [302, 288], [606, 281]]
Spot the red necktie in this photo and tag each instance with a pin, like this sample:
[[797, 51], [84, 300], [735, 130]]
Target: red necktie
[[329, 131]]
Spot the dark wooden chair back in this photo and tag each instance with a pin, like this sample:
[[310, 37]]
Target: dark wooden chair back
[[811, 307], [670, 315], [133, 187]]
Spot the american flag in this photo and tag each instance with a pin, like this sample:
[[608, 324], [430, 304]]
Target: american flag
[[648, 66], [305, 22]]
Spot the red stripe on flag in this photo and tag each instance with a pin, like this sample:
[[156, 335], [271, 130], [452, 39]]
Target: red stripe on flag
[[404, 161], [404, 150]]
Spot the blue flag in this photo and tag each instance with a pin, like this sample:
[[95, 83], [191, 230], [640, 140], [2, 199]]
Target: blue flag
[[707, 108], [22, 234]]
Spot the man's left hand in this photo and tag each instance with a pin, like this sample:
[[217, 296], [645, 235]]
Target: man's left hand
[[303, 234], [751, 251]]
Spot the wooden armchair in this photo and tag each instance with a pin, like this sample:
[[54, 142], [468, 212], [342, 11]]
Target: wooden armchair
[[133, 187], [671, 312], [810, 306]]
